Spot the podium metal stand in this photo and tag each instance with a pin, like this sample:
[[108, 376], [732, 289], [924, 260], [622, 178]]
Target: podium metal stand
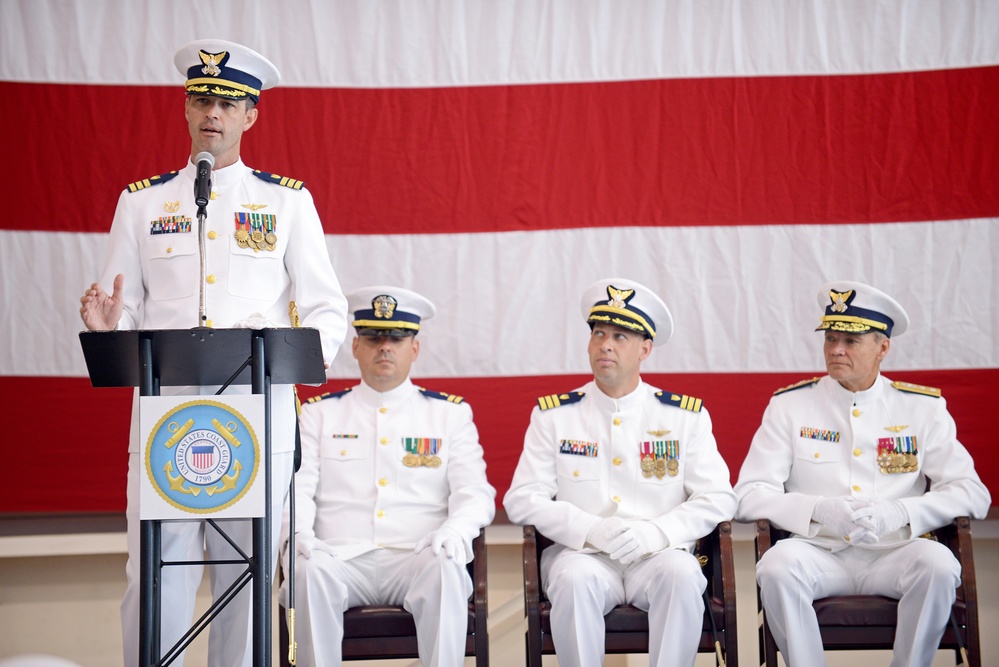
[[149, 359]]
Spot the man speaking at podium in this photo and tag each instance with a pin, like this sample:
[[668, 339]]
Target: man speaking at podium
[[263, 247]]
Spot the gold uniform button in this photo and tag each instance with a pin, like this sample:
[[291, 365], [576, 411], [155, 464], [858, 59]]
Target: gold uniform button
[[210, 279], [856, 412], [617, 421], [213, 235], [343, 452], [208, 323], [616, 499], [169, 250], [817, 455], [382, 482], [617, 461], [383, 410], [384, 441], [575, 473], [857, 452], [856, 488], [381, 514]]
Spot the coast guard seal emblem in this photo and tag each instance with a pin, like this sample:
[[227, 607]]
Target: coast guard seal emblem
[[202, 456]]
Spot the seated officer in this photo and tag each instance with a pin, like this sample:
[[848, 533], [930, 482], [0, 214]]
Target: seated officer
[[624, 478], [391, 492], [843, 463]]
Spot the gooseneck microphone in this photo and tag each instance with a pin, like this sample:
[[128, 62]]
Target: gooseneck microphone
[[204, 161]]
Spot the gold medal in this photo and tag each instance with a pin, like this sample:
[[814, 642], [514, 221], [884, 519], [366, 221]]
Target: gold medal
[[433, 461], [660, 469], [242, 236], [411, 460], [271, 239], [257, 237], [674, 467]]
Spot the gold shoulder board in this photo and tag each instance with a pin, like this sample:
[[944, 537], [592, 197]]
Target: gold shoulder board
[[796, 385], [557, 400], [917, 389], [681, 401]]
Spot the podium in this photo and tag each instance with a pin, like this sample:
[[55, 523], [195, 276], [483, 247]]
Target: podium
[[150, 359]]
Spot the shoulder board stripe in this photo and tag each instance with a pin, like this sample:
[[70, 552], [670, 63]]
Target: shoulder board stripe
[[917, 389], [444, 396], [797, 385], [151, 181], [330, 394], [279, 180], [556, 400], [680, 401]]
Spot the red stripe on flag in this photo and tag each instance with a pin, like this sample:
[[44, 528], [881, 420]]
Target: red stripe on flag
[[67, 442], [724, 151]]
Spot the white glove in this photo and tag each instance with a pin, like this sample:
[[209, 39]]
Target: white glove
[[447, 539], [256, 321], [604, 531], [647, 539], [836, 515], [304, 545], [881, 516]]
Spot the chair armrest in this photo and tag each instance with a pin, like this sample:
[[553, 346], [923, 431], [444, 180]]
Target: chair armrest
[[532, 583], [479, 568], [763, 538], [727, 567]]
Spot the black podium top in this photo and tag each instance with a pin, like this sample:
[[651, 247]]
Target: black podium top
[[203, 356]]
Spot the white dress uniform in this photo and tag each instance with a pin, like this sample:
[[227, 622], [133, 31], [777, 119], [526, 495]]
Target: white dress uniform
[[367, 492], [819, 439], [583, 460], [154, 243]]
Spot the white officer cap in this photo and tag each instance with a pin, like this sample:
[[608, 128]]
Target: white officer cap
[[225, 69], [628, 304], [383, 310], [858, 308]]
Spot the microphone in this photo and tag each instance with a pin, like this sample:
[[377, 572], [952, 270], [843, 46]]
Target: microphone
[[202, 193], [203, 181]]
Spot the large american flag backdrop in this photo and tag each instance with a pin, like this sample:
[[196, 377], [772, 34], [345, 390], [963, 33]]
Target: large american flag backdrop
[[500, 156]]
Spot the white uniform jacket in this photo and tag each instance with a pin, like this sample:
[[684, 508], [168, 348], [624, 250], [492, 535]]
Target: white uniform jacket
[[582, 460], [355, 491], [819, 439], [154, 244]]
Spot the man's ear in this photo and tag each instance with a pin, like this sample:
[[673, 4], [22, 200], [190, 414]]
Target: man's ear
[[251, 118], [646, 349]]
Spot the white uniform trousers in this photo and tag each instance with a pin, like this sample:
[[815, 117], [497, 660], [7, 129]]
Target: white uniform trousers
[[584, 587], [433, 588], [922, 574], [229, 633]]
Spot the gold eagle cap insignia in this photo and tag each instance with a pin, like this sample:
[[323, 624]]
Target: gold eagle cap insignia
[[658, 434], [171, 206], [897, 429], [839, 300], [384, 305], [254, 207], [212, 62], [618, 297]]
